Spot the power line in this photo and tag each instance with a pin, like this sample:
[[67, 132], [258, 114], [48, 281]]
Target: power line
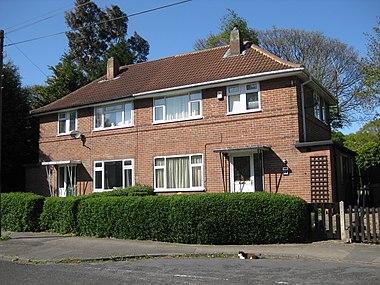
[[25, 25], [27, 57], [102, 22]]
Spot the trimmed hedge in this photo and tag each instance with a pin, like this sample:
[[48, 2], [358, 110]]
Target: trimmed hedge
[[59, 214], [226, 218], [21, 211]]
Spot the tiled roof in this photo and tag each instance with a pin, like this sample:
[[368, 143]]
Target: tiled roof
[[171, 72]]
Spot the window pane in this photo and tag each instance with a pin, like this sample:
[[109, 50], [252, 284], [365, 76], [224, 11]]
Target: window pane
[[252, 101], [252, 86], [62, 116], [196, 159], [128, 113], [159, 162], [177, 172], [197, 176], [195, 96], [158, 113], [98, 117], [159, 178], [127, 177], [98, 164], [112, 119], [113, 108], [98, 179], [159, 102], [62, 127], [242, 169], [234, 103], [127, 162], [233, 89], [195, 108], [61, 177], [176, 107], [113, 174], [72, 121]]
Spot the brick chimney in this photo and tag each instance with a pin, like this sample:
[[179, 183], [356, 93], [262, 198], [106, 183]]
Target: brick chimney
[[236, 42], [112, 68]]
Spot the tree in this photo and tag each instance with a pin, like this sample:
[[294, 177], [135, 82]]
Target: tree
[[370, 85], [66, 78], [227, 23], [332, 62], [95, 36], [19, 135], [366, 143]]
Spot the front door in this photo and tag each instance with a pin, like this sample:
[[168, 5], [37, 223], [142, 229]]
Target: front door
[[66, 180], [246, 172]]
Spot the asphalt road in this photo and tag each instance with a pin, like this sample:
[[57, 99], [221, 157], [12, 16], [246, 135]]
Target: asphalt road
[[192, 271]]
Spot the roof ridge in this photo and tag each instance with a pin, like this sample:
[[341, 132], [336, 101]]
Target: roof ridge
[[274, 57]]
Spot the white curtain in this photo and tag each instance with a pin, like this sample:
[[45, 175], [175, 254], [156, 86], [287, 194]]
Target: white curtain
[[177, 172], [176, 107]]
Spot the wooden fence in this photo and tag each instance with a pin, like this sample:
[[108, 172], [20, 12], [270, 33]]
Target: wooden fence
[[352, 224], [363, 224]]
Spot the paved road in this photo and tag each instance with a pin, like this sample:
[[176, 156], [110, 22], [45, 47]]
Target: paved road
[[192, 271]]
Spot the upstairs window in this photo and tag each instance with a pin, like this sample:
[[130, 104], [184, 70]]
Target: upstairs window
[[178, 108], [320, 108], [243, 98], [67, 122], [114, 116]]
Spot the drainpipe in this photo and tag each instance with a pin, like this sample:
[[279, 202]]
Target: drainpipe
[[303, 107]]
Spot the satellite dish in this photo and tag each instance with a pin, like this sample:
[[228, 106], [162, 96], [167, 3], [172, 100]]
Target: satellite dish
[[75, 134]]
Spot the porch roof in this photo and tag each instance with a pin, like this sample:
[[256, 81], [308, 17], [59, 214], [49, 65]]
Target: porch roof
[[62, 162], [244, 148]]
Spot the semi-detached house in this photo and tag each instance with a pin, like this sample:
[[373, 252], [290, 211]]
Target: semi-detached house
[[229, 119]]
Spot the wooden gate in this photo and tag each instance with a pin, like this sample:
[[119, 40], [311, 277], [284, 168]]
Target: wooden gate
[[363, 224], [324, 221]]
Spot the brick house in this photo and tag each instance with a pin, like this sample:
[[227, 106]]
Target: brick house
[[229, 119]]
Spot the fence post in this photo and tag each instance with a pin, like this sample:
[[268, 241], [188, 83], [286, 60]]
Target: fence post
[[342, 221]]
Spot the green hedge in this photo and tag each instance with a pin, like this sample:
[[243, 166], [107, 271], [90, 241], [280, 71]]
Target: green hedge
[[247, 218], [21, 211], [59, 214], [136, 190]]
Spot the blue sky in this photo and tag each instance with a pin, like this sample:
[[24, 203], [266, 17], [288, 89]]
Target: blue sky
[[174, 30]]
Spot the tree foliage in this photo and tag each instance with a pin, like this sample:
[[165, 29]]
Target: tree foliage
[[366, 143], [96, 34], [370, 85], [19, 135], [227, 23], [332, 62]]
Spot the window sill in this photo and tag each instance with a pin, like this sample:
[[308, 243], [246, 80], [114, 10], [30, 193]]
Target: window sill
[[245, 112], [179, 190], [179, 120], [113, 128]]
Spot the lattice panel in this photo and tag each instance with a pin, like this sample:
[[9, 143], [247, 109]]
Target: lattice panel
[[319, 179]]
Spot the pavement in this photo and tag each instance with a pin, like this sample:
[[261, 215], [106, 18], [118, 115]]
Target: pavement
[[43, 247]]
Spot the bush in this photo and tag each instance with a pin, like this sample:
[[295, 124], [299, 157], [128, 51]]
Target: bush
[[59, 214], [136, 190], [246, 218], [21, 211]]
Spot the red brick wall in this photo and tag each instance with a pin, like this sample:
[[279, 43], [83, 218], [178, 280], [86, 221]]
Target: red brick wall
[[277, 125]]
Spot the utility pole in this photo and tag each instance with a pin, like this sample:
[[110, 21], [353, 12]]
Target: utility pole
[[1, 111]]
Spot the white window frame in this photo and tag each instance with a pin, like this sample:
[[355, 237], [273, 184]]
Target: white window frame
[[191, 165], [189, 109], [102, 170], [242, 91], [123, 116], [66, 119]]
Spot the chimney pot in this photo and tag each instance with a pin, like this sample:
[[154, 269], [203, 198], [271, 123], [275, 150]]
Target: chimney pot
[[236, 42], [112, 68]]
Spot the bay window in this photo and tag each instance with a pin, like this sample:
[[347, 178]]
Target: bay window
[[176, 108], [178, 173], [67, 122], [113, 116], [243, 98], [113, 174]]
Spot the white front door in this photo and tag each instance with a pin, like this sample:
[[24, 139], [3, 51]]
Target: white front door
[[242, 174]]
